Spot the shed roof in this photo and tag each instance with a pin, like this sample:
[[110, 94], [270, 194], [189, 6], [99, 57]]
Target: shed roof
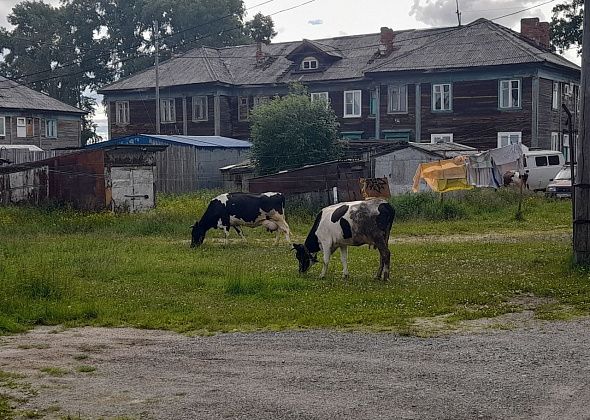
[[17, 96], [195, 141], [480, 43]]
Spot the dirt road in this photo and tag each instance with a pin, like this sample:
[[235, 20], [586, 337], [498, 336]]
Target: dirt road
[[541, 372]]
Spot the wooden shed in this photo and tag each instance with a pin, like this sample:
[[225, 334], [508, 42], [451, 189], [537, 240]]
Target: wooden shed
[[119, 178], [316, 183], [189, 163]]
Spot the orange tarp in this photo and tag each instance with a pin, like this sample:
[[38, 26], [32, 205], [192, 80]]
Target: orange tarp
[[443, 175]]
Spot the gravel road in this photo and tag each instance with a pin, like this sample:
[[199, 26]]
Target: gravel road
[[536, 372]]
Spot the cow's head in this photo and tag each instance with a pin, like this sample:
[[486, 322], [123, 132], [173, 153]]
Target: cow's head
[[516, 178], [198, 235], [305, 258]]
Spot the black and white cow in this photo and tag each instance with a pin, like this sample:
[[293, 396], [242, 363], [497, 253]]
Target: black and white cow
[[354, 223], [240, 209]]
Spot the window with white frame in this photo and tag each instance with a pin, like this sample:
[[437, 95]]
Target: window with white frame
[[555, 141], [200, 108], [51, 128], [555, 96], [21, 127], [309, 63], [167, 111], [122, 112], [259, 100], [441, 138], [2, 126], [565, 149], [510, 94], [441, 97], [321, 96], [352, 103], [397, 101], [243, 108], [508, 138]]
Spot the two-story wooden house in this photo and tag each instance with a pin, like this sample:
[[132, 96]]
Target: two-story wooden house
[[480, 84], [28, 117]]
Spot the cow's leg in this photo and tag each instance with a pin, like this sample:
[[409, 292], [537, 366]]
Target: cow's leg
[[385, 259], [283, 227], [327, 250], [277, 235], [239, 231], [226, 233], [344, 259]]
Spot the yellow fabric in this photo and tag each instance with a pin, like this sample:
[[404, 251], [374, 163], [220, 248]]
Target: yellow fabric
[[443, 175]]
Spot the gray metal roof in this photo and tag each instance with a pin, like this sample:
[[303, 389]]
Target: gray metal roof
[[195, 141], [16, 96], [480, 43]]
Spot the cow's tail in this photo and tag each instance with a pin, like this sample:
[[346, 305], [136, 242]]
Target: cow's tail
[[282, 203], [389, 222]]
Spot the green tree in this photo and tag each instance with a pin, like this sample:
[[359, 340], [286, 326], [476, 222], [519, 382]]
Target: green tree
[[566, 25], [261, 29], [292, 131]]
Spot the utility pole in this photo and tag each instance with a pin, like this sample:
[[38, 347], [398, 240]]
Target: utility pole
[[157, 43], [581, 185], [458, 13]]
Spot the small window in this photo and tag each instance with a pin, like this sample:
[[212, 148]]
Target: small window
[[553, 160], [122, 112], [397, 99], [508, 138], [243, 108], [259, 100], [167, 111], [309, 63], [21, 127], [373, 104], [2, 126], [352, 135], [555, 96], [441, 97], [555, 141], [441, 138], [51, 128], [509, 94], [321, 96], [566, 147], [352, 103], [540, 161], [200, 108]]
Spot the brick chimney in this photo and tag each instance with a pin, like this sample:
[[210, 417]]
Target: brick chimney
[[536, 31], [260, 55], [386, 42]]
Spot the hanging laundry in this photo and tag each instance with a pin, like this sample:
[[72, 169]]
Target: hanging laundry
[[443, 175], [482, 171], [508, 158]]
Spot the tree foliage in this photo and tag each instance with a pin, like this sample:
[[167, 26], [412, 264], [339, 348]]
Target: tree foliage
[[82, 45], [567, 24], [292, 131], [261, 28]]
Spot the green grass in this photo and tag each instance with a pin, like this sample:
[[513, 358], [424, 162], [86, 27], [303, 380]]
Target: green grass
[[85, 369], [54, 371], [64, 267]]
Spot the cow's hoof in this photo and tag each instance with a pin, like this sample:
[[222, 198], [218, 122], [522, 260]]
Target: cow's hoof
[[345, 277]]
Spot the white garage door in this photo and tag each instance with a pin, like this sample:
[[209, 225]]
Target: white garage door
[[133, 188]]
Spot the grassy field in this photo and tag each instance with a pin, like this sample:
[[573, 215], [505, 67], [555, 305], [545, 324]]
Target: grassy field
[[464, 258]]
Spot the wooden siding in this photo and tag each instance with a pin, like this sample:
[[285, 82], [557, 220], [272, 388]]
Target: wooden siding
[[476, 119], [398, 121], [68, 132], [552, 120]]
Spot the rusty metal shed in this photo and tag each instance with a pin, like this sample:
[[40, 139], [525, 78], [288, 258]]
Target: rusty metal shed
[[120, 177]]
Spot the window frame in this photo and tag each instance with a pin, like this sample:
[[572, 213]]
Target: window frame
[[242, 117], [21, 122], [3, 132], [400, 100], [260, 100], [434, 136], [360, 104], [373, 103], [442, 93], [510, 88], [555, 96], [126, 112], [555, 141], [51, 122], [204, 104], [508, 134], [309, 60], [168, 105], [320, 96]]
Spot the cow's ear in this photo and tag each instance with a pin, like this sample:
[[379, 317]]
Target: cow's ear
[[313, 258]]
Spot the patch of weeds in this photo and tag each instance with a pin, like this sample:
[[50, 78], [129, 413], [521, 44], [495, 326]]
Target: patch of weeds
[[31, 414], [239, 286], [85, 369], [54, 371], [92, 348], [39, 346], [41, 289], [81, 357], [556, 312], [501, 327], [6, 411]]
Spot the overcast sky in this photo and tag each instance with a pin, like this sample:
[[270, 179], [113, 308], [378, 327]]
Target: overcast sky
[[329, 18]]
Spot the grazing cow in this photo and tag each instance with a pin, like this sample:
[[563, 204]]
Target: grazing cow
[[340, 225], [240, 209]]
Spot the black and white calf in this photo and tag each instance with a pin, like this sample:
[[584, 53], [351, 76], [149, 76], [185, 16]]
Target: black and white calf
[[341, 225], [240, 209]]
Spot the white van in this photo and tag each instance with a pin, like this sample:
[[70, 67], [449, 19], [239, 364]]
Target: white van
[[542, 166]]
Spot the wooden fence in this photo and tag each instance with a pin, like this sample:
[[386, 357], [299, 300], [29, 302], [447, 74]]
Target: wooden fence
[[19, 156]]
